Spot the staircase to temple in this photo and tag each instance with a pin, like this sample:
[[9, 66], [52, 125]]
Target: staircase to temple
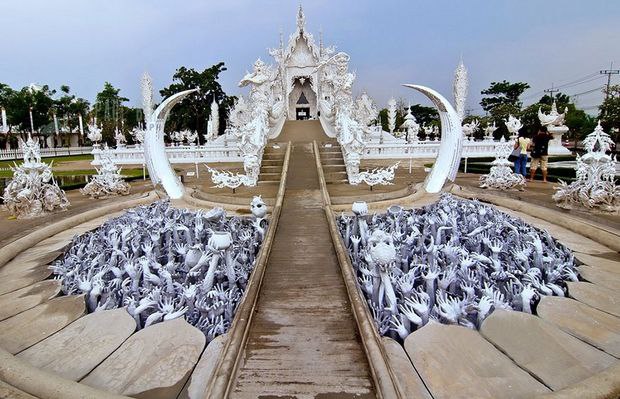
[[303, 341], [271, 165], [333, 162]]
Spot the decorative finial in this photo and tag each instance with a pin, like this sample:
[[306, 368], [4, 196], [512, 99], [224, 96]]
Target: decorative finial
[[301, 19], [281, 39]]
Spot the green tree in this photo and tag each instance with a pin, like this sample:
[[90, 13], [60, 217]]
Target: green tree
[[110, 112], [193, 112], [67, 108], [501, 100], [425, 115], [609, 111]]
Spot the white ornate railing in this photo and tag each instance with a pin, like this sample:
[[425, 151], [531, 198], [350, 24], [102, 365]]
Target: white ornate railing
[[46, 152], [134, 155], [426, 149]]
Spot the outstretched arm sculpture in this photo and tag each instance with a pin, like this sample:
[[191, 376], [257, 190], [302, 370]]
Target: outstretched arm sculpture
[[159, 167], [447, 163]]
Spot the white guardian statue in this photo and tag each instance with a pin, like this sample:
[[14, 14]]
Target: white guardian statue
[[33, 191], [108, 182], [594, 186]]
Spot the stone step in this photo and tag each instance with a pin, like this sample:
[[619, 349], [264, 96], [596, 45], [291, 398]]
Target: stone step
[[272, 162]]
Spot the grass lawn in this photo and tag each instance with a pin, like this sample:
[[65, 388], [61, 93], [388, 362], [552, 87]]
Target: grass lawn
[[81, 157], [133, 172]]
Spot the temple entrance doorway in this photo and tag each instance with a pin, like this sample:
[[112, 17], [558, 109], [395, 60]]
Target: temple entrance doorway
[[302, 100], [302, 113]]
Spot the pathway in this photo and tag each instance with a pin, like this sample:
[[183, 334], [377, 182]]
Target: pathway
[[303, 341]]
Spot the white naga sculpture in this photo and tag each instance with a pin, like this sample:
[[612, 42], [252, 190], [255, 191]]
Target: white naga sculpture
[[448, 158], [459, 89], [377, 176], [225, 178], [513, 125], [251, 121], [365, 112], [351, 120], [554, 121], [501, 175], [108, 182], [470, 128], [33, 191], [594, 187]]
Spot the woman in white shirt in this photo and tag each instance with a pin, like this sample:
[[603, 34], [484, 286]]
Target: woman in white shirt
[[522, 142]]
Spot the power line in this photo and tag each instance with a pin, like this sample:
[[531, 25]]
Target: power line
[[586, 92], [609, 72]]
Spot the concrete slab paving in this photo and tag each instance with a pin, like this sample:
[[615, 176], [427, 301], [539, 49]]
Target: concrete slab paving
[[572, 240], [555, 357], [597, 262], [17, 281], [153, 363], [600, 277], [457, 362], [27, 328], [598, 297], [82, 345], [28, 297], [590, 325], [196, 387], [21, 263], [409, 380], [10, 392]]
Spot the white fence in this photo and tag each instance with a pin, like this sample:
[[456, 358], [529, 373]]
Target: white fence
[[427, 149], [46, 152], [134, 155]]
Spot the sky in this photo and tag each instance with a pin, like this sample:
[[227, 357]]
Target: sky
[[85, 43]]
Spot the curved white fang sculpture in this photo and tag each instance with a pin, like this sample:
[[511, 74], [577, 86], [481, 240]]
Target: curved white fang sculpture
[[447, 163], [157, 162]]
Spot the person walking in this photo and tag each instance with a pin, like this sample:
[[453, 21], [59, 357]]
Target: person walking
[[539, 152], [522, 143]]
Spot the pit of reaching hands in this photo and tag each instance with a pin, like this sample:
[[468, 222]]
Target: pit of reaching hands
[[453, 262], [162, 263]]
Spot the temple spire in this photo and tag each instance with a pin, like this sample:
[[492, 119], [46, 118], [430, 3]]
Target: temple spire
[[301, 19]]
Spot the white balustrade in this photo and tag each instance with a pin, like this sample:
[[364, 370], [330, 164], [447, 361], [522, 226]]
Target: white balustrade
[[134, 155], [46, 152], [427, 149]]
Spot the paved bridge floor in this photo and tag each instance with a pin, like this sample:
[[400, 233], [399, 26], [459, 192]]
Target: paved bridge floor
[[303, 341]]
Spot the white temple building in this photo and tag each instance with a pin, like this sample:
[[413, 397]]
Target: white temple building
[[298, 66], [308, 81]]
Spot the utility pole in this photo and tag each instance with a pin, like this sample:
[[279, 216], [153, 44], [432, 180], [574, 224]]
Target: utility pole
[[609, 72], [551, 91]]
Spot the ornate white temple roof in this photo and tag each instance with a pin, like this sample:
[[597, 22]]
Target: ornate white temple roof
[[301, 34]]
